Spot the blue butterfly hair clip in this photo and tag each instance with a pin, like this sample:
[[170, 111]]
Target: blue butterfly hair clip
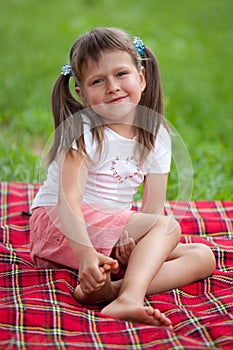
[[139, 46], [66, 70]]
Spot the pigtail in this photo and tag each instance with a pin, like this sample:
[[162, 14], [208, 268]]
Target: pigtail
[[64, 106], [153, 95], [150, 118], [66, 109]]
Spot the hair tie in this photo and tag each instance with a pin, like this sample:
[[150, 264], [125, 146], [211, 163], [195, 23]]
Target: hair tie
[[139, 46], [66, 70]]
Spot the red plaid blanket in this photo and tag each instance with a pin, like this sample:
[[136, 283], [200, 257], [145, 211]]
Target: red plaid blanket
[[38, 311]]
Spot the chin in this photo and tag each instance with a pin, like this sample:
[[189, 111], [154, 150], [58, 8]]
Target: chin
[[116, 112]]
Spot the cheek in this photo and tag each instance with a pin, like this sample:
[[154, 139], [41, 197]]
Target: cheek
[[136, 91], [136, 84], [82, 96], [95, 98]]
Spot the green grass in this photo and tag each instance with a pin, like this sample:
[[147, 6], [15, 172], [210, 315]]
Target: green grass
[[193, 43]]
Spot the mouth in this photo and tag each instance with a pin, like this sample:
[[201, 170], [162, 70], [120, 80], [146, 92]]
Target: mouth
[[117, 99]]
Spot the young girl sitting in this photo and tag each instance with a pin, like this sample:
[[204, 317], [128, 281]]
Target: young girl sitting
[[108, 142]]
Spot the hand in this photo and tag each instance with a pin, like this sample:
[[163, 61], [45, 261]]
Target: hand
[[124, 248], [93, 270]]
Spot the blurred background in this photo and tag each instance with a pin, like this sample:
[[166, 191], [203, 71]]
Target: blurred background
[[193, 43]]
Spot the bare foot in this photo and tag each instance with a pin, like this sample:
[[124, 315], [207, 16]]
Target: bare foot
[[106, 294], [137, 313]]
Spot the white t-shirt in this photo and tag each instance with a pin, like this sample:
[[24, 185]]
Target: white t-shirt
[[114, 177]]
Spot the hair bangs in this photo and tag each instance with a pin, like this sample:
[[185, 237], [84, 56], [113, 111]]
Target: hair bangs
[[90, 46]]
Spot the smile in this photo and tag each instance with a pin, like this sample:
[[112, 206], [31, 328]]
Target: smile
[[117, 99]]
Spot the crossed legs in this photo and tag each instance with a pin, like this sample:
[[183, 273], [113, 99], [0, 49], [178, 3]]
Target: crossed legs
[[159, 264]]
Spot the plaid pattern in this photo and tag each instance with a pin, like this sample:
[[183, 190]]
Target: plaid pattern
[[38, 311]]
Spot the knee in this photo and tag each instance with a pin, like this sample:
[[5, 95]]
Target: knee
[[174, 227], [205, 258], [171, 226]]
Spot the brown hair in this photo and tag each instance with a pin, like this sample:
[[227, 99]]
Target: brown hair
[[64, 105]]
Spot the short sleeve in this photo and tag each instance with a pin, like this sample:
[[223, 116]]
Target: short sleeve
[[159, 160], [87, 136]]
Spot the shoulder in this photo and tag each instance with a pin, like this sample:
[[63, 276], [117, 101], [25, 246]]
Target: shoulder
[[159, 160], [85, 132], [163, 139]]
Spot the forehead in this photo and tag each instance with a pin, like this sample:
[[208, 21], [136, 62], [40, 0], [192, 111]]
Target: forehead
[[107, 60]]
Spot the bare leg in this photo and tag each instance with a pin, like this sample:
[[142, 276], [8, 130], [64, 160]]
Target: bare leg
[[145, 262], [190, 262], [187, 263], [184, 264]]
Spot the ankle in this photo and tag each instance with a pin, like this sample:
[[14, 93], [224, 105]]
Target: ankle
[[130, 299]]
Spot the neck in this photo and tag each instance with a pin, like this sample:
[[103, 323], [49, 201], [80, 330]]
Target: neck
[[124, 130]]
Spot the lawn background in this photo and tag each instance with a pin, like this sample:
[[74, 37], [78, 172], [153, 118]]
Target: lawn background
[[193, 42]]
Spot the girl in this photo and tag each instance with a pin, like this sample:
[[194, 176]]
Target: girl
[[107, 142]]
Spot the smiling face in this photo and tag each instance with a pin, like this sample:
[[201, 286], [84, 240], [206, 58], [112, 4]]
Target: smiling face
[[113, 86]]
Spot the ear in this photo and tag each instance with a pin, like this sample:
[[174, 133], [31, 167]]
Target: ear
[[142, 76], [81, 95]]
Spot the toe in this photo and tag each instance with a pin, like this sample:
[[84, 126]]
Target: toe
[[149, 310], [164, 320]]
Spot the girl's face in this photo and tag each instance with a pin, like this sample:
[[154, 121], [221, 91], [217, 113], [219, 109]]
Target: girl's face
[[113, 86]]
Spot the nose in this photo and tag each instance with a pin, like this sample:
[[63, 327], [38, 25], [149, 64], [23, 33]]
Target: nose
[[112, 86]]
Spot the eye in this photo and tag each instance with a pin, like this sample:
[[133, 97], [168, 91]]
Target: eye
[[122, 73], [97, 81]]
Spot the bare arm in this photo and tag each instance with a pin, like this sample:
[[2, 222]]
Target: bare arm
[[73, 177], [154, 193]]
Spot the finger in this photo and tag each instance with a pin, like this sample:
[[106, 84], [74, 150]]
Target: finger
[[97, 276], [91, 285], [122, 243], [125, 237], [108, 262], [126, 248], [123, 253], [128, 239], [92, 289], [92, 276], [130, 247], [86, 287], [106, 268], [123, 256], [119, 257]]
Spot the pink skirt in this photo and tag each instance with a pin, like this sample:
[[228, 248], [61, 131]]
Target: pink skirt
[[49, 247]]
